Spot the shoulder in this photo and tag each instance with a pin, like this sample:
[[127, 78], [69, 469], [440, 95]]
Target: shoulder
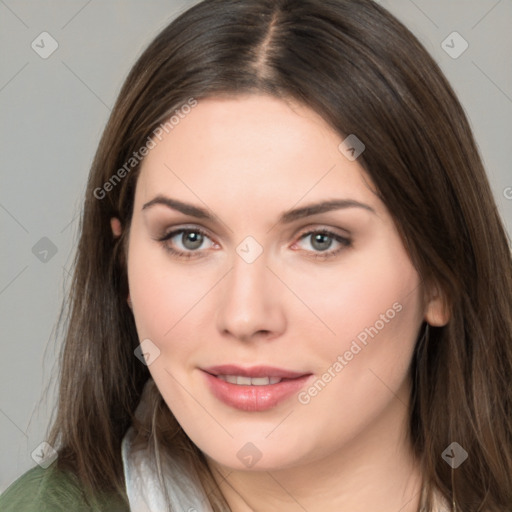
[[52, 490]]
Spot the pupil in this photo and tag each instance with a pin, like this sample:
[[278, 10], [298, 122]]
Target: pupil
[[321, 241]]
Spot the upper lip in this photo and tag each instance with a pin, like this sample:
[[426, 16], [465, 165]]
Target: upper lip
[[253, 371]]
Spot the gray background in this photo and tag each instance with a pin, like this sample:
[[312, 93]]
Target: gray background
[[53, 111]]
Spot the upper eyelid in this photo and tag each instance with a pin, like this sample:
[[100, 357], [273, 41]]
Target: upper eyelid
[[179, 229], [329, 230], [313, 227]]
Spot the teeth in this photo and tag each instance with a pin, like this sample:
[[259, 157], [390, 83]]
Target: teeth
[[260, 381], [248, 381]]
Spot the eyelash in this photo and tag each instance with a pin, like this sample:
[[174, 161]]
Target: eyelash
[[323, 255]]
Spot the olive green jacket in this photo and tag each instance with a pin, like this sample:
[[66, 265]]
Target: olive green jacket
[[51, 490]]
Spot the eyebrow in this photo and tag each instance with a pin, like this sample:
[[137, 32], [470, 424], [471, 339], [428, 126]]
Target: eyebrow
[[286, 218]]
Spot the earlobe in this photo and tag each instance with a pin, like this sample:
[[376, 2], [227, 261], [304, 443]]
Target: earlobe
[[437, 312], [117, 229]]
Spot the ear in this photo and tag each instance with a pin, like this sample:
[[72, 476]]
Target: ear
[[437, 311], [117, 229]]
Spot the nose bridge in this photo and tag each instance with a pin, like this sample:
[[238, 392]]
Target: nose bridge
[[250, 300]]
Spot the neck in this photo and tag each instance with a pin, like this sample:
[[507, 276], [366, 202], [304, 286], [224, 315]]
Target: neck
[[375, 471]]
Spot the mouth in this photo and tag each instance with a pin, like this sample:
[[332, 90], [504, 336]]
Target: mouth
[[253, 389]]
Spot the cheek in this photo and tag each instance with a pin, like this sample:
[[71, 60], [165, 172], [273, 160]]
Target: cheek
[[376, 313], [161, 293], [172, 305], [372, 294], [164, 299]]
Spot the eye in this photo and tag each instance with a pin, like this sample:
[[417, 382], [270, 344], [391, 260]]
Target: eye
[[186, 242], [191, 242], [322, 240]]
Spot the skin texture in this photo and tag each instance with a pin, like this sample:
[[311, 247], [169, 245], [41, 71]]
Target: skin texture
[[247, 160]]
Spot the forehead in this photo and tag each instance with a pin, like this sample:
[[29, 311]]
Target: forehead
[[250, 149]]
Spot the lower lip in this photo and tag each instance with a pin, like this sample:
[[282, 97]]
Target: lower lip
[[254, 398]]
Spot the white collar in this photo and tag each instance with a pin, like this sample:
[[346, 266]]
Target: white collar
[[143, 487]]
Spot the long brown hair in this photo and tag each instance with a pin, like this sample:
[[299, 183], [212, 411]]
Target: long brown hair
[[365, 74]]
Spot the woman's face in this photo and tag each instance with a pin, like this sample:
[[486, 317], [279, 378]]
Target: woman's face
[[280, 305]]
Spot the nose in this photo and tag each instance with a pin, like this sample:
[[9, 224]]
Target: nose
[[251, 305]]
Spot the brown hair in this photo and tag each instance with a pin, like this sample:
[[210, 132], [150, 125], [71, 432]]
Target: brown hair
[[365, 74]]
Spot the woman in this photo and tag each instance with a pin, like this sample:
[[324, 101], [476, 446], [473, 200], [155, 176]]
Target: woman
[[292, 288]]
